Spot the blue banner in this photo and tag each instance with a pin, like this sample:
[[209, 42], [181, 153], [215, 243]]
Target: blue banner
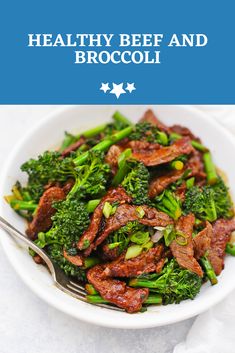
[[124, 52]]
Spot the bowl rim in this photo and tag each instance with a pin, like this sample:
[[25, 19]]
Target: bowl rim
[[56, 303]]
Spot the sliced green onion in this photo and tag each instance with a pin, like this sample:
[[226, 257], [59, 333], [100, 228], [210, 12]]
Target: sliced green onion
[[162, 138], [140, 211], [91, 205], [178, 165], [159, 228], [181, 238], [107, 209], [114, 245], [140, 237], [147, 245], [169, 234], [190, 182], [91, 261], [133, 251]]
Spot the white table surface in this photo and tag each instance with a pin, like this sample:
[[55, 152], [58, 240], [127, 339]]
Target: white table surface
[[27, 324]]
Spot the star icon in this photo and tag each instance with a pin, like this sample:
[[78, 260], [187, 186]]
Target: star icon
[[130, 87], [104, 87], [117, 90]]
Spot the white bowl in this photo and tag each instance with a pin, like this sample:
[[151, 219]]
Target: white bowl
[[48, 134]]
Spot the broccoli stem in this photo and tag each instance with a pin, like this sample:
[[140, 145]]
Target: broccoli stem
[[142, 282], [230, 249], [170, 205], [212, 177], [16, 192], [123, 167], [197, 145], [91, 205], [23, 205], [97, 299], [9, 198], [174, 136], [24, 215], [26, 196], [69, 139], [104, 145], [117, 116], [209, 270], [90, 289], [121, 173], [153, 299], [92, 132]]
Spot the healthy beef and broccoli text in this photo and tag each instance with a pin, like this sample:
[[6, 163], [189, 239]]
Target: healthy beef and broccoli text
[[138, 213]]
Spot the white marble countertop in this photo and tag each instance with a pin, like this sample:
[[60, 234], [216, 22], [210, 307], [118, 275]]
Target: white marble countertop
[[28, 324]]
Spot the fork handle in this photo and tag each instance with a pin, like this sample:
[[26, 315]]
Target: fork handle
[[17, 234]]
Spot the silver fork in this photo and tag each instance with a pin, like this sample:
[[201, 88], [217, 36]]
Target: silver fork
[[63, 282]]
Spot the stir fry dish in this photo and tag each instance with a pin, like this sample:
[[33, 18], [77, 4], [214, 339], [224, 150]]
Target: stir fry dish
[[137, 212]]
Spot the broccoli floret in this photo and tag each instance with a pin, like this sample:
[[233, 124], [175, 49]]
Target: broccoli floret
[[141, 130], [111, 128], [168, 203], [148, 132], [90, 178], [194, 201], [210, 202], [93, 135], [56, 253], [69, 222], [173, 283], [222, 199], [48, 167], [201, 203], [136, 183], [51, 167]]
